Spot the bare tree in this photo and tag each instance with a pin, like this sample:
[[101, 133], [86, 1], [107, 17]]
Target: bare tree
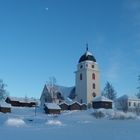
[[53, 89], [138, 93]]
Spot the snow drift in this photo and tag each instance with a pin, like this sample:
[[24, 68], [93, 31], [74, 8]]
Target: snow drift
[[54, 122], [15, 122]]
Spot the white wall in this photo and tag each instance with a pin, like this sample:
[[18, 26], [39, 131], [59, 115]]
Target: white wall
[[84, 87]]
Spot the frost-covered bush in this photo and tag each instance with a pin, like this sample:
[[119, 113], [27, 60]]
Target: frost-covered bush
[[98, 114], [118, 115], [113, 114]]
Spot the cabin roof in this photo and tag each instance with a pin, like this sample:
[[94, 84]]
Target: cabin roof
[[22, 100], [4, 104], [101, 98], [52, 106]]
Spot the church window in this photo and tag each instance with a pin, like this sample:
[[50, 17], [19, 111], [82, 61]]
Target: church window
[[81, 76], [134, 104], [86, 65], [94, 94], [93, 85], [129, 103], [92, 66], [81, 66], [93, 76]]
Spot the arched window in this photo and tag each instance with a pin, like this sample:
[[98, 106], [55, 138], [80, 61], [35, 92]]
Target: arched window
[[93, 85], [92, 66], [93, 76], [94, 94], [81, 77]]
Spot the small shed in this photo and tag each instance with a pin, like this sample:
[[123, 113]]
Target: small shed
[[83, 106], [102, 102], [75, 106], [64, 106], [5, 107], [52, 108]]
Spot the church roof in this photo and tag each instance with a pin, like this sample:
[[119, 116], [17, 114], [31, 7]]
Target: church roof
[[87, 56]]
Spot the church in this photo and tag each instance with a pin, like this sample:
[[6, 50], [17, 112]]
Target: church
[[87, 82]]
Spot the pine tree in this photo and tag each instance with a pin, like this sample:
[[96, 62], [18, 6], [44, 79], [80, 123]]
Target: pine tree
[[138, 93], [109, 91]]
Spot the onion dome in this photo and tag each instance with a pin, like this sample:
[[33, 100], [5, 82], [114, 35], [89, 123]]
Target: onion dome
[[87, 56]]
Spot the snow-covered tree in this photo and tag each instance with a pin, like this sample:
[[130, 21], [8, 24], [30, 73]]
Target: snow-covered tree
[[122, 103], [138, 93], [109, 91], [53, 88], [3, 92]]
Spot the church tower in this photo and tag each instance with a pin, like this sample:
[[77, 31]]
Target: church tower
[[87, 78]]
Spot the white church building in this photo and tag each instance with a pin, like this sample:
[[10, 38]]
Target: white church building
[[87, 81], [87, 78]]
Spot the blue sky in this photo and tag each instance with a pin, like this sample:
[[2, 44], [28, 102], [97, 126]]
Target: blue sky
[[44, 38]]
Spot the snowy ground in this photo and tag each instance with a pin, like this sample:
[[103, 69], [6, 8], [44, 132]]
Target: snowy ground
[[22, 124]]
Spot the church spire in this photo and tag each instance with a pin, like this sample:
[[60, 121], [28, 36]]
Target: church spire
[[87, 47]]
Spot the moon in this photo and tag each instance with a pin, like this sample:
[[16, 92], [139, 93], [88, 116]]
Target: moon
[[46, 8]]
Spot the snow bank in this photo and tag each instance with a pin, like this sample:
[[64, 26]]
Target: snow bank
[[118, 115], [54, 122], [113, 114], [15, 122]]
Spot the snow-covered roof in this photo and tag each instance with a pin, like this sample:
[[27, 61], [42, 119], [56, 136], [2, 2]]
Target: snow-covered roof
[[87, 57], [63, 103], [75, 102], [65, 91], [4, 104], [126, 97], [88, 53], [52, 106], [101, 98], [22, 100], [68, 100]]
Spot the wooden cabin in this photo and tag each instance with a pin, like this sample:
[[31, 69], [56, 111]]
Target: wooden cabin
[[102, 102], [13, 102], [75, 106], [52, 108], [5, 107], [83, 106], [21, 102], [64, 106]]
